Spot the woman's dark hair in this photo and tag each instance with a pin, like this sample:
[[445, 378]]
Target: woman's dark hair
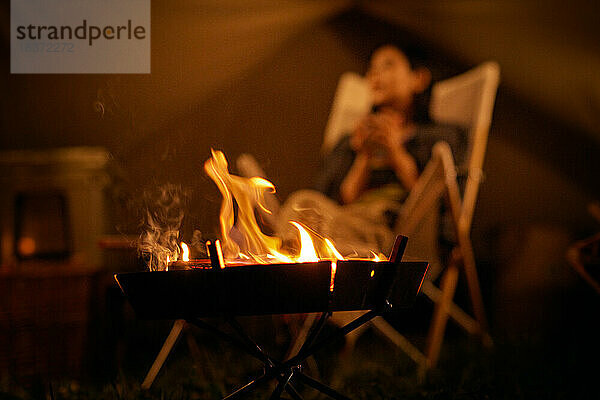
[[421, 106]]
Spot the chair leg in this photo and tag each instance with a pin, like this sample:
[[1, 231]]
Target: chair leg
[[440, 314], [301, 335], [387, 330], [468, 262], [341, 319], [464, 320]]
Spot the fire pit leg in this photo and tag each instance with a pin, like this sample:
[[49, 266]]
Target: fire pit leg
[[164, 352], [292, 392], [341, 332], [283, 382], [321, 387], [260, 354], [253, 351], [247, 387]]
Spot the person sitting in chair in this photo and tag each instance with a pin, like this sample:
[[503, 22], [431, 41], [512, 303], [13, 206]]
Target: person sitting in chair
[[371, 170], [390, 146]]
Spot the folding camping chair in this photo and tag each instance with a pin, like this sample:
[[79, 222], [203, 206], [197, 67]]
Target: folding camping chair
[[466, 100]]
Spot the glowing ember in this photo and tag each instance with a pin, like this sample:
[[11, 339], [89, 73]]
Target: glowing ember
[[333, 269], [185, 252], [220, 254]]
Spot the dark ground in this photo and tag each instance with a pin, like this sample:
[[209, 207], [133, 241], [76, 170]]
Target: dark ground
[[558, 360]]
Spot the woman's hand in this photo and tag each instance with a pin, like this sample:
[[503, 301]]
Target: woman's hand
[[393, 132], [390, 130], [356, 179]]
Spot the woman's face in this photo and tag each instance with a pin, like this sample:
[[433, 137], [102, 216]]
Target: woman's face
[[391, 78]]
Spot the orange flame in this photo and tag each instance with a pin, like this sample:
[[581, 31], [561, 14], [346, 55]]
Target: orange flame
[[378, 257], [307, 248], [247, 194], [256, 246], [333, 250]]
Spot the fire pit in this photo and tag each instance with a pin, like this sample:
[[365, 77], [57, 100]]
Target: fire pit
[[208, 290], [258, 274]]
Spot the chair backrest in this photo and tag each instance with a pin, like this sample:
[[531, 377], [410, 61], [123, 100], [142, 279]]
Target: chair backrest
[[350, 102], [468, 100]]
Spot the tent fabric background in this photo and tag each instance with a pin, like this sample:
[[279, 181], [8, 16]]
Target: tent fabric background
[[259, 77]]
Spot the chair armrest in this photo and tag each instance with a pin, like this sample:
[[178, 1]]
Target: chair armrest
[[438, 176]]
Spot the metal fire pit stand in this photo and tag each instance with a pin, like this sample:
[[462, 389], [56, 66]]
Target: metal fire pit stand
[[359, 285], [284, 371]]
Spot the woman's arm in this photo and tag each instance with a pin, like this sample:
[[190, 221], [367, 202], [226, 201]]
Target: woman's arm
[[356, 180], [404, 166]]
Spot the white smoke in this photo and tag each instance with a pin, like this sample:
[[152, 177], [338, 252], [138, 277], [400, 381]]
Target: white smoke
[[159, 240]]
